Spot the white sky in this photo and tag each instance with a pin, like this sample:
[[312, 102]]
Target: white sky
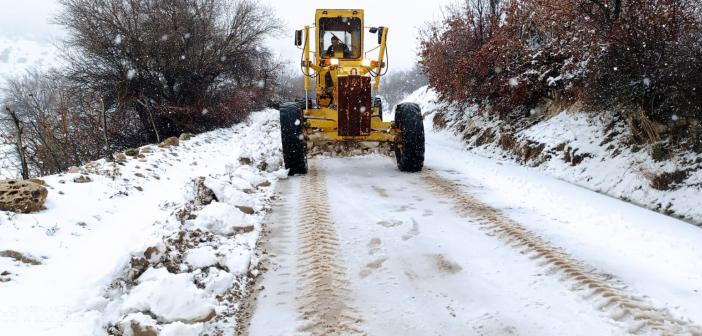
[[31, 19], [28, 19], [402, 17]]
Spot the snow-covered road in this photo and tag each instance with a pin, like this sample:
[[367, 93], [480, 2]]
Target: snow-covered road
[[470, 247]]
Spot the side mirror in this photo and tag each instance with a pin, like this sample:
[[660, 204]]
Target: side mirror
[[298, 38], [380, 34], [373, 30]]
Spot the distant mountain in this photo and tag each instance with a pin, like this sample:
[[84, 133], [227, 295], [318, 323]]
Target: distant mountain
[[19, 55]]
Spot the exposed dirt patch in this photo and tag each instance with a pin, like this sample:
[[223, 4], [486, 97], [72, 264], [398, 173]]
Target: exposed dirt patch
[[439, 120], [444, 265], [487, 136], [572, 156], [17, 256], [507, 142], [372, 266], [530, 151], [668, 180]]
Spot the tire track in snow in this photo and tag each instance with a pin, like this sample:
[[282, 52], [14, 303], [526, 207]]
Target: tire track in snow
[[609, 295], [273, 244], [324, 295]]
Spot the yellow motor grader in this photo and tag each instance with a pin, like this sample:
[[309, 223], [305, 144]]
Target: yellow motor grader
[[344, 105]]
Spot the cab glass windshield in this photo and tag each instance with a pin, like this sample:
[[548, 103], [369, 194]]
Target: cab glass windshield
[[340, 37]]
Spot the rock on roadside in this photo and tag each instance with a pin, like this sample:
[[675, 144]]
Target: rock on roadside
[[22, 196], [170, 142]]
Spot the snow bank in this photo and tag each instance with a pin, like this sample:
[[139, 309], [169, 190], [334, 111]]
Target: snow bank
[[201, 257], [171, 297], [221, 219], [164, 243], [584, 149]]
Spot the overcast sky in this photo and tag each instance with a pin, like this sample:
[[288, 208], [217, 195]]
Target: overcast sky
[[402, 17], [31, 19]]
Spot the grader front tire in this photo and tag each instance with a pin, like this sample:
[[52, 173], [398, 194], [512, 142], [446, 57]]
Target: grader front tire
[[409, 150], [294, 148]]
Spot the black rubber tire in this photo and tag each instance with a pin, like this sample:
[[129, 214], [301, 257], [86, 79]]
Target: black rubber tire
[[294, 147], [409, 153]]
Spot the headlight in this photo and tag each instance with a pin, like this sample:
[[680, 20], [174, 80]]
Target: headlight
[[334, 61], [366, 63]]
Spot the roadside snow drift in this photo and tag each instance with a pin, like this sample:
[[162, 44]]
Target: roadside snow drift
[[583, 149], [162, 242]]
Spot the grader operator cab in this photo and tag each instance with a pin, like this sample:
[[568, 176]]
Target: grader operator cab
[[344, 106]]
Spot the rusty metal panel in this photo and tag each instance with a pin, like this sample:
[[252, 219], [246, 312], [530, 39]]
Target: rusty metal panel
[[354, 105]]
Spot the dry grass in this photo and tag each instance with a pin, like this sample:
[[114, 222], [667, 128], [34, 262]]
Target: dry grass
[[17, 256], [668, 180]]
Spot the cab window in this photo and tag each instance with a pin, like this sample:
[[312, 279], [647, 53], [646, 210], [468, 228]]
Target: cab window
[[340, 37]]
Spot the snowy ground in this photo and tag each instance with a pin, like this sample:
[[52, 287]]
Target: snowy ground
[[142, 246], [471, 246], [583, 149]]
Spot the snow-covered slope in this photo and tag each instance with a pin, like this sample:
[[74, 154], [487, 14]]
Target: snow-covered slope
[[583, 149], [95, 260], [19, 55]]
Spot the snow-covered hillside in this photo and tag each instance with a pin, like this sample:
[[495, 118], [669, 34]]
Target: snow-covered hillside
[[163, 241], [18, 55], [583, 149]]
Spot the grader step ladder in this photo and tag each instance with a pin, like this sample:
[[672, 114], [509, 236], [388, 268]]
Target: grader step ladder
[[346, 105]]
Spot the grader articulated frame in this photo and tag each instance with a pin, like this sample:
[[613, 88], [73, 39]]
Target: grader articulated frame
[[345, 107]]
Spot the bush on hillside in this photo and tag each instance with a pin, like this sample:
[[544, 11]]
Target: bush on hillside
[[640, 57]]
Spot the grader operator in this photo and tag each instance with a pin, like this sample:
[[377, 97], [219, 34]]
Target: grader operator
[[344, 106]]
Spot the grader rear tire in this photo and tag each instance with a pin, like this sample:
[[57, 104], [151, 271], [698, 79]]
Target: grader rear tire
[[294, 148], [409, 152]]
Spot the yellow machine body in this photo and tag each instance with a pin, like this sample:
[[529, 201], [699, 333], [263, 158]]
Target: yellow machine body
[[331, 114]]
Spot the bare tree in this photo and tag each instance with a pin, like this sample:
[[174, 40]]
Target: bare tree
[[19, 143], [160, 56], [399, 84]]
